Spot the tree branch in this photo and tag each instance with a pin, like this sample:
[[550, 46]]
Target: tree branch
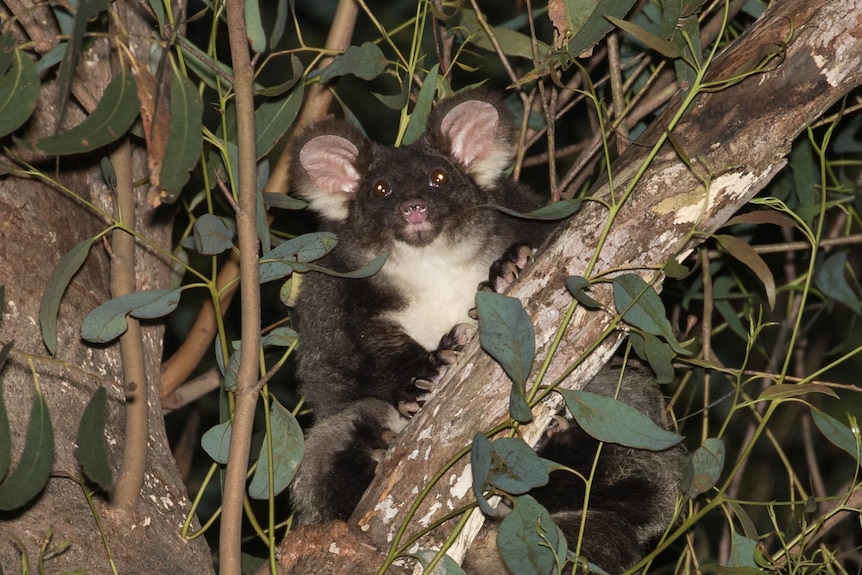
[[247, 391], [736, 134]]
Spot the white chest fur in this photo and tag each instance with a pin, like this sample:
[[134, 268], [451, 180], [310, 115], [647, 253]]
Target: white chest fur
[[440, 283]]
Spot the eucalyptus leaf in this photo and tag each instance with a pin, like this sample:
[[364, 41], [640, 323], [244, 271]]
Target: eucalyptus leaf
[[480, 464], [586, 22], [283, 202], [212, 236], [85, 11], [446, 565], [287, 450], [642, 308], [528, 540], [786, 390], [512, 42], [741, 551], [19, 92], [659, 355], [280, 337], [836, 432], [111, 119], [419, 116], [36, 462], [92, 450], [653, 42], [108, 321], [216, 442], [273, 118], [366, 62], [552, 212], [185, 140], [744, 253], [62, 274], [611, 420], [254, 26], [831, 279], [515, 466], [703, 467], [506, 333], [578, 287]]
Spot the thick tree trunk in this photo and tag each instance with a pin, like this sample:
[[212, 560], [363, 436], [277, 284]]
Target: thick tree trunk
[[736, 138], [38, 225]]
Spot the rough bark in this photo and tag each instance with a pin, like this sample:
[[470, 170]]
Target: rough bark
[[38, 225], [739, 137]]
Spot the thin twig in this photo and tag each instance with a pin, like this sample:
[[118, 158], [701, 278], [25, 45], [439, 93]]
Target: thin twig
[[247, 392]]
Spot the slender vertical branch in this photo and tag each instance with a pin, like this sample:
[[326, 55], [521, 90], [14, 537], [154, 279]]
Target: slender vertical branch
[[247, 389], [134, 464]]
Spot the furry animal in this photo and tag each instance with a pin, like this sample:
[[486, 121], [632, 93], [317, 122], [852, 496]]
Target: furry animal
[[370, 345], [372, 349], [633, 491]]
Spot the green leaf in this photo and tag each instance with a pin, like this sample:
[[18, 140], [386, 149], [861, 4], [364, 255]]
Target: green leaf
[[743, 252], [8, 45], [278, 262], [686, 38], [273, 118], [185, 140], [831, 279], [806, 180], [419, 116], [85, 11], [552, 212], [660, 45], [261, 218], [578, 287], [703, 467], [528, 540], [758, 217], [283, 202], [674, 269], [786, 390], [643, 309], [253, 26], [515, 466], [108, 321], [280, 337], [37, 459], [658, 354], [519, 408], [608, 419], [279, 89], [92, 451], [5, 432], [212, 236], [513, 43], [506, 333], [287, 450], [837, 433], [586, 22], [279, 269], [446, 566], [480, 463], [366, 62], [281, 14], [216, 442], [19, 92], [63, 273], [111, 119], [741, 551]]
